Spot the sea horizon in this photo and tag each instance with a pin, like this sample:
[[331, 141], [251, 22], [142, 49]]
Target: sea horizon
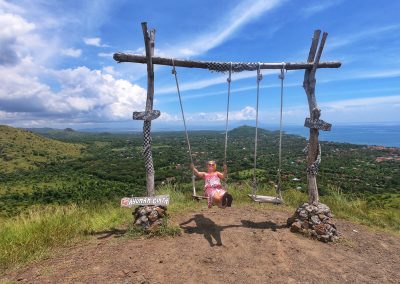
[[378, 134]]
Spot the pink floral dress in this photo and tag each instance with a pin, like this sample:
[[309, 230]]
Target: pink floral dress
[[212, 186]]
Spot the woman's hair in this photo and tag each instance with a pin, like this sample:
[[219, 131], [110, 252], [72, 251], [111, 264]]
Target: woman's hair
[[212, 163]]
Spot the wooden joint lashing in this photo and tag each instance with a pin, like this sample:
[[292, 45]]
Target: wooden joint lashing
[[146, 115], [317, 124]]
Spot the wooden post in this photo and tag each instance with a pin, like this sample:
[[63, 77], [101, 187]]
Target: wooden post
[[314, 150], [149, 37]]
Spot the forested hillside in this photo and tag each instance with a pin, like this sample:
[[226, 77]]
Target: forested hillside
[[23, 150], [66, 166]]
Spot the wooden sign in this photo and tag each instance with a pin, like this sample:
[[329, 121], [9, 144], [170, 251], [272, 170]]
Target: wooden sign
[[144, 115], [136, 201], [317, 124]]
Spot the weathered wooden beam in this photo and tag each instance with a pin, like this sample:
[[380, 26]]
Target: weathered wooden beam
[[149, 38], [309, 87], [136, 58]]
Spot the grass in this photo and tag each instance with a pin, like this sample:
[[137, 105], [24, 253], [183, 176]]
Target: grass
[[32, 235], [23, 150]]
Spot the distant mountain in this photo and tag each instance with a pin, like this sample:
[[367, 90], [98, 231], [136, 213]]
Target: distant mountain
[[246, 131], [22, 149]]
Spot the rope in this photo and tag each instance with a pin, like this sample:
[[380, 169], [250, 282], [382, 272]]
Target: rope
[[279, 187], [227, 119], [259, 78], [184, 124], [232, 67]]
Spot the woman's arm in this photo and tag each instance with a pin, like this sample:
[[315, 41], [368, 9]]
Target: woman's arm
[[196, 172], [223, 175]]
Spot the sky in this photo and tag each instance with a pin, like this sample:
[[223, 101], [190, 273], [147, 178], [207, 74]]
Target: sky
[[57, 70]]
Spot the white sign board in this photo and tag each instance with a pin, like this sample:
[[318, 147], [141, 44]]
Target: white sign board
[[135, 201]]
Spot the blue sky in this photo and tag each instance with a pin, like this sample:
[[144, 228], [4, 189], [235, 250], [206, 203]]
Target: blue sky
[[56, 66]]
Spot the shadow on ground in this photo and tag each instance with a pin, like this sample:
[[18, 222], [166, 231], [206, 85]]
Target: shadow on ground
[[211, 231]]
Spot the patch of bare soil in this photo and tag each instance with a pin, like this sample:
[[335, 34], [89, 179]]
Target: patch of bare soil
[[237, 245]]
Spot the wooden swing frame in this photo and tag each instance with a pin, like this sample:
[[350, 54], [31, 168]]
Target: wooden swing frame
[[313, 122]]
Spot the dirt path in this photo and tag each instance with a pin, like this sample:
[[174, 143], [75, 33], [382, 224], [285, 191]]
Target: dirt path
[[254, 246]]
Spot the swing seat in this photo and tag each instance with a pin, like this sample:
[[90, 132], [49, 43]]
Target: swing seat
[[266, 199], [198, 197]]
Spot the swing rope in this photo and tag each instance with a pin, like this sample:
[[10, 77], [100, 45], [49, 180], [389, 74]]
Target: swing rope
[[259, 78], [184, 124], [226, 124], [279, 187]]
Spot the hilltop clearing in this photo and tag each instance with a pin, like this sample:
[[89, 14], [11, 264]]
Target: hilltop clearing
[[255, 247]]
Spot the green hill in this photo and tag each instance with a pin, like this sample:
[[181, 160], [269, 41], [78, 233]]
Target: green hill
[[21, 149]]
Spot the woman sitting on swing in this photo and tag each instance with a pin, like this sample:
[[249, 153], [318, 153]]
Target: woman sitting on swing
[[216, 195]]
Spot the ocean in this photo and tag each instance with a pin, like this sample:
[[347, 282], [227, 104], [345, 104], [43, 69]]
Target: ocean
[[381, 135]]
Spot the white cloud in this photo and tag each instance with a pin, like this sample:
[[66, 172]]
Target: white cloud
[[362, 103], [365, 34], [106, 54], [361, 110], [71, 52], [319, 7], [247, 113], [84, 95], [201, 84], [95, 41], [11, 8], [240, 15]]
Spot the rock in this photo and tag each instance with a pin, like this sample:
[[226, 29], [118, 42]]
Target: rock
[[141, 211], [160, 211], [303, 215], [323, 238], [322, 217], [144, 219], [331, 222], [305, 225], [148, 209], [154, 226], [320, 229], [290, 221], [322, 208], [295, 227], [315, 220], [153, 216], [309, 208]]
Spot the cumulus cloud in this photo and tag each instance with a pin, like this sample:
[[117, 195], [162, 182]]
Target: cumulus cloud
[[33, 94], [247, 113], [95, 41], [13, 35], [83, 95], [72, 52]]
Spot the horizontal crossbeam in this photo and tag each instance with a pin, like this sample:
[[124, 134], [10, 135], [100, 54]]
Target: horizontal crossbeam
[[222, 66]]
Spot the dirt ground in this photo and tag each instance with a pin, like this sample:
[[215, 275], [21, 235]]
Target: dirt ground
[[237, 245]]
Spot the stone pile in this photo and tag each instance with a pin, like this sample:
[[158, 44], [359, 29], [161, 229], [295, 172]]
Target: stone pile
[[314, 221], [150, 217]]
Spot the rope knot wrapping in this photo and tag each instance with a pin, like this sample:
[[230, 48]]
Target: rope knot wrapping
[[173, 71], [283, 69], [259, 74]]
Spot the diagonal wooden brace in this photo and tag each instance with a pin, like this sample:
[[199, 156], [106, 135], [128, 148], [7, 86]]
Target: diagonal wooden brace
[[317, 124], [144, 115]]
